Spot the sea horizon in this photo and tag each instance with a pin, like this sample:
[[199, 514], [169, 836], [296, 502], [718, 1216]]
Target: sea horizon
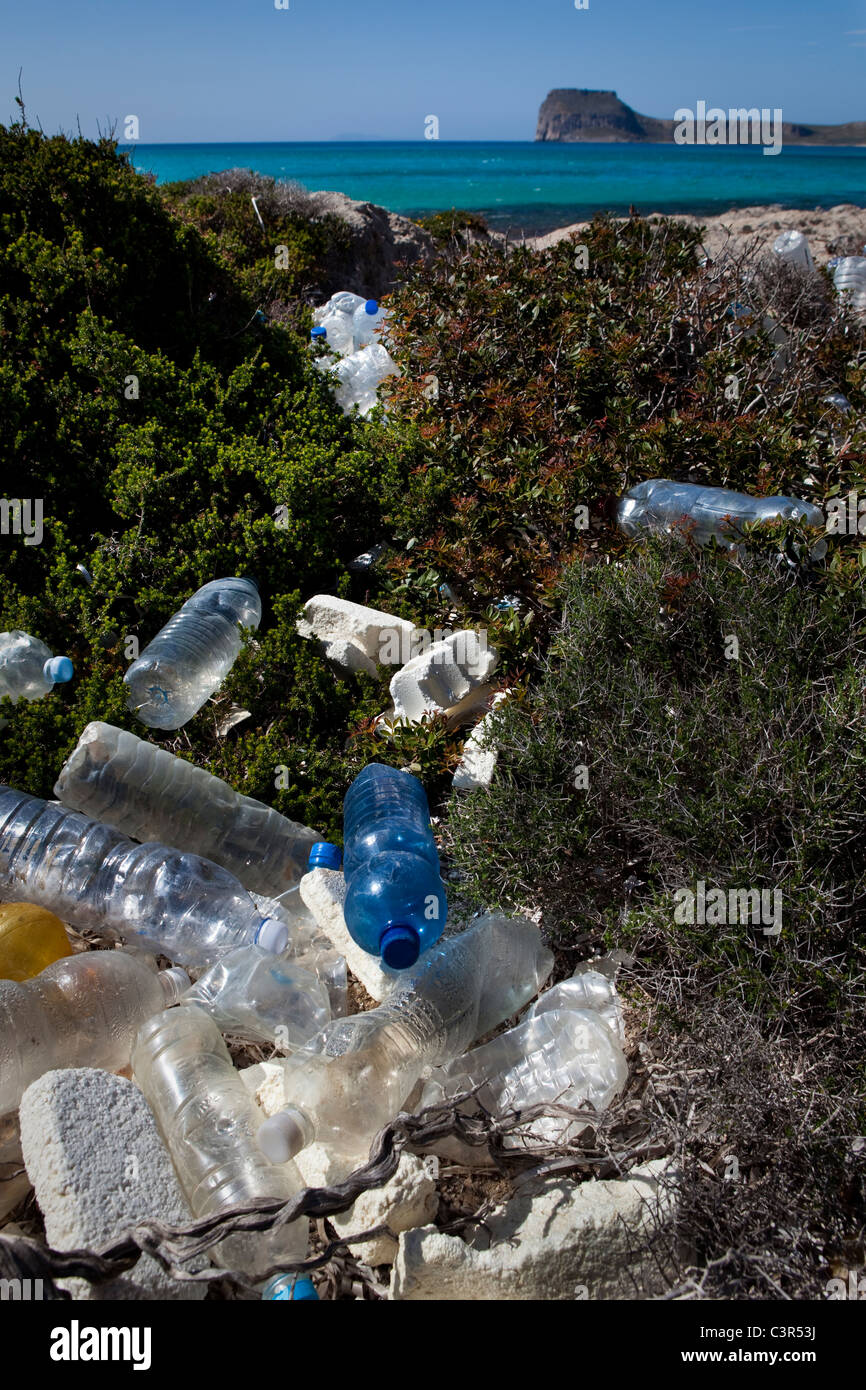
[[532, 186]]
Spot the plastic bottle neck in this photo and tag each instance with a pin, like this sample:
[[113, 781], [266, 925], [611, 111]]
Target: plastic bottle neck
[[175, 982]]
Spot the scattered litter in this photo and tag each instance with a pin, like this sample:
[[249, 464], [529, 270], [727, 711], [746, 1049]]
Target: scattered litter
[[179, 1060], [81, 1011], [30, 939], [793, 248], [97, 879], [28, 671], [350, 1080]]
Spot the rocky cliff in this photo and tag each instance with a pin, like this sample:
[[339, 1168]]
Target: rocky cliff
[[571, 113], [577, 113]]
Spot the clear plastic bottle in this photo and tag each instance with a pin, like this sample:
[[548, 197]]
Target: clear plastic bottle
[[149, 794], [793, 248], [585, 989], [355, 1075], [359, 377], [27, 669], [96, 879], [368, 323], [209, 1123], [704, 512], [849, 274], [395, 901], [556, 1055], [30, 939], [343, 302], [80, 1012], [339, 331], [192, 655], [262, 997]]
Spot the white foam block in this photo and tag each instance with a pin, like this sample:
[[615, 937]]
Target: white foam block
[[98, 1165]]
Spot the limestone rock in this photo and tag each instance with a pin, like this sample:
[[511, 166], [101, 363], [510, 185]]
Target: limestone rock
[[555, 1241], [356, 636], [324, 893], [99, 1166], [408, 1200], [443, 677], [478, 763]]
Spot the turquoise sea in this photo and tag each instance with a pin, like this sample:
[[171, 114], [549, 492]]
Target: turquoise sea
[[524, 186]]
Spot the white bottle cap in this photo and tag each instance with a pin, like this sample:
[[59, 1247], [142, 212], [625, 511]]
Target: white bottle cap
[[272, 936], [282, 1136]]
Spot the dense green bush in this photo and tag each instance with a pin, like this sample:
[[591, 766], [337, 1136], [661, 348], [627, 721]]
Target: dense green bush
[[226, 455], [220, 207], [719, 711]]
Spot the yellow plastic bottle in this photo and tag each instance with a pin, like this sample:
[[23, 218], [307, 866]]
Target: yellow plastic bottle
[[30, 939]]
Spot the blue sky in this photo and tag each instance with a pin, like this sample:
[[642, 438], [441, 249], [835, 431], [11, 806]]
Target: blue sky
[[217, 70]]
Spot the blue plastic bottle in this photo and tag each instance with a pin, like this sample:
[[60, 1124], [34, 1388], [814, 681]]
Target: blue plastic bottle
[[395, 904]]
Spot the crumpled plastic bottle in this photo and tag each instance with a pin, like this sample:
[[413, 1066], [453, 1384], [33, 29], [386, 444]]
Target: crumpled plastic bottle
[[354, 1076], [82, 1011], [261, 997], [567, 1051]]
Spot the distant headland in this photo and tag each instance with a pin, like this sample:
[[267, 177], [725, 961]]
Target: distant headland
[[573, 113]]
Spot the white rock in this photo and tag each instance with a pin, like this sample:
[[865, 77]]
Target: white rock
[[408, 1200], [99, 1166], [556, 1241], [345, 653], [338, 623], [478, 763], [442, 677], [324, 892], [264, 1081]]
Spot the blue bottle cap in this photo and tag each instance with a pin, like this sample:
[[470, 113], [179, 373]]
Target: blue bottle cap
[[59, 670], [324, 855], [372, 306], [400, 947], [319, 332], [280, 1289]]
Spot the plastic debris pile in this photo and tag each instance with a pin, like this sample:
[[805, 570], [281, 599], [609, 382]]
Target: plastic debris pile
[[349, 330], [152, 857], [257, 916]]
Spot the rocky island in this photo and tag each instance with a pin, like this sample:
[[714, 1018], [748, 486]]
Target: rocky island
[[577, 113]]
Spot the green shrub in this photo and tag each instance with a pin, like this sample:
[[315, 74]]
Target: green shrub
[[744, 771]]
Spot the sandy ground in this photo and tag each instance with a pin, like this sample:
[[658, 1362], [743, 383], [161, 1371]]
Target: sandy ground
[[823, 226]]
